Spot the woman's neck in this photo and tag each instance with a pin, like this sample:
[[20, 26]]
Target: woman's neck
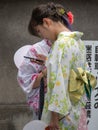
[[61, 28]]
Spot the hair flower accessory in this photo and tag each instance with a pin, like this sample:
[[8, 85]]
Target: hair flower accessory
[[70, 17], [61, 11]]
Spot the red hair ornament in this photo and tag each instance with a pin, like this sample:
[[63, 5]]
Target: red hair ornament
[[70, 17]]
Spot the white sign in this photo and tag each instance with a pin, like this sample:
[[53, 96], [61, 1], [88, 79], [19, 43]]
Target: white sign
[[92, 107]]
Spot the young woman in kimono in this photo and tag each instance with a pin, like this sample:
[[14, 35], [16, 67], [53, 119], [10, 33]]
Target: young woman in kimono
[[31, 72], [51, 21]]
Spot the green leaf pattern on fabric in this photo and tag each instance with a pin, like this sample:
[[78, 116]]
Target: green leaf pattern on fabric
[[67, 52]]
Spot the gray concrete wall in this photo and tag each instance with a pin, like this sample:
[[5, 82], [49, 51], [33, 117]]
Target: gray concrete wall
[[14, 18]]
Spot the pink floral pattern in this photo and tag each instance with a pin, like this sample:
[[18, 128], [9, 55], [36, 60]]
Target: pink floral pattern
[[29, 71]]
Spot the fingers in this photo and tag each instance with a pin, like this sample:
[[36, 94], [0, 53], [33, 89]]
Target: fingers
[[38, 62], [52, 128], [41, 57]]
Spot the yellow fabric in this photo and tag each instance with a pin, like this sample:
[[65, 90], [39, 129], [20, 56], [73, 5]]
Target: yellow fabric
[[76, 83]]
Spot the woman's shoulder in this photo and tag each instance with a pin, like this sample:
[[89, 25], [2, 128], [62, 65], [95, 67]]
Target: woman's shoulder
[[74, 34]]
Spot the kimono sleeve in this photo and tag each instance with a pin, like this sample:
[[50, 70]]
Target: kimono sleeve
[[27, 74], [58, 84]]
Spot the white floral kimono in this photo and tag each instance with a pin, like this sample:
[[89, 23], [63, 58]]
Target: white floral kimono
[[68, 52], [29, 71]]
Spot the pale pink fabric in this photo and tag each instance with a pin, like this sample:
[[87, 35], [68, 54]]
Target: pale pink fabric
[[29, 71], [83, 120]]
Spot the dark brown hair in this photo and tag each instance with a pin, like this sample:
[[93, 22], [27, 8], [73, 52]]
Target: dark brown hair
[[49, 10]]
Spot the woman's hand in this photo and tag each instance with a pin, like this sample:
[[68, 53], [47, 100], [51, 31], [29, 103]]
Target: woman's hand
[[43, 73], [41, 57], [54, 123], [39, 60]]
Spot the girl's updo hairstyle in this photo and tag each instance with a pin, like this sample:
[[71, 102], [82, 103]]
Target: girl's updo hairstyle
[[56, 12]]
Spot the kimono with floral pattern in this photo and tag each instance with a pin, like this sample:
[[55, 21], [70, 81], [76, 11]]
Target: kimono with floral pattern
[[29, 71], [68, 52]]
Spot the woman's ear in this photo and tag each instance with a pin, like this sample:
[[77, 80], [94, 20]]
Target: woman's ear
[[47, 22]]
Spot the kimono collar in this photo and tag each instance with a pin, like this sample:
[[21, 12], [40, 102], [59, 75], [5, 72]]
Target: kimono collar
[[75, 34], [48, 42]]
